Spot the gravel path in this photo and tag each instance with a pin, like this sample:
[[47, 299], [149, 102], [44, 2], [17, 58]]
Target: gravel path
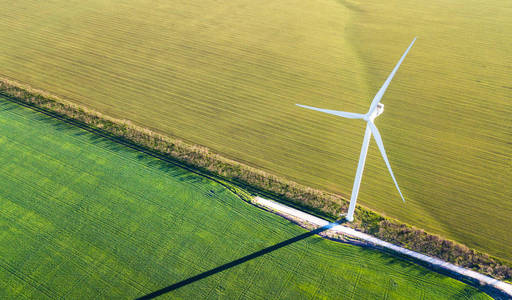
[[497, 284]]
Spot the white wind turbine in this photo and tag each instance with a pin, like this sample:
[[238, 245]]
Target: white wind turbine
[[375, 110]]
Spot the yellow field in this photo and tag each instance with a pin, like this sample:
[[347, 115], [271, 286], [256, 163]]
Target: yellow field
[[227, 76]]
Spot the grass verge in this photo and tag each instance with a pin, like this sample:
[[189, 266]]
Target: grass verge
[[233, 173]]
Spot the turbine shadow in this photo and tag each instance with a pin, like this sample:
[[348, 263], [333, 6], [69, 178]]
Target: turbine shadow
[[239, 261]]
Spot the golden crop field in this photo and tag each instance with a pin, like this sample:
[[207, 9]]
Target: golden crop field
[[227, 76]]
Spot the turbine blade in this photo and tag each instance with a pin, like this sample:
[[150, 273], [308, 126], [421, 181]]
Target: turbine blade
[[359, 173], [378, 139], [335, 112], [382, 90]]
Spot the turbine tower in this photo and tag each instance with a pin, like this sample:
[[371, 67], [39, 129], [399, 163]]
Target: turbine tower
[[376, 108]]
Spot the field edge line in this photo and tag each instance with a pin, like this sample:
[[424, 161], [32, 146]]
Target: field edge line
[[246, 181]]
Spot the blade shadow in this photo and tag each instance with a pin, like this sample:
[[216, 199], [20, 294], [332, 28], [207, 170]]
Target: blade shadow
[[239, 261]]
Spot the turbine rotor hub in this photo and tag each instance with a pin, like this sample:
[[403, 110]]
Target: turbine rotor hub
[[375, 113]]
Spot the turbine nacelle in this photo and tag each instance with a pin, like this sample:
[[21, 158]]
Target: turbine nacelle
[[376, 109], [376, 112], [379, 110]]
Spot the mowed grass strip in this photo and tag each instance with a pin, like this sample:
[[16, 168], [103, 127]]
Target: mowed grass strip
[[83, 217], [228, 77]]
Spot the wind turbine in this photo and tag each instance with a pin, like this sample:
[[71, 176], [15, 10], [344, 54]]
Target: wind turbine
[[376, 108]]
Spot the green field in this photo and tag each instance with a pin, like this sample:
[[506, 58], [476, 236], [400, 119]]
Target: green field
[[83, 217], [227, 76]]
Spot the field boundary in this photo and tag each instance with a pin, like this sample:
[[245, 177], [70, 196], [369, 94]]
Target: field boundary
[[486, 283], [244, 180]]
